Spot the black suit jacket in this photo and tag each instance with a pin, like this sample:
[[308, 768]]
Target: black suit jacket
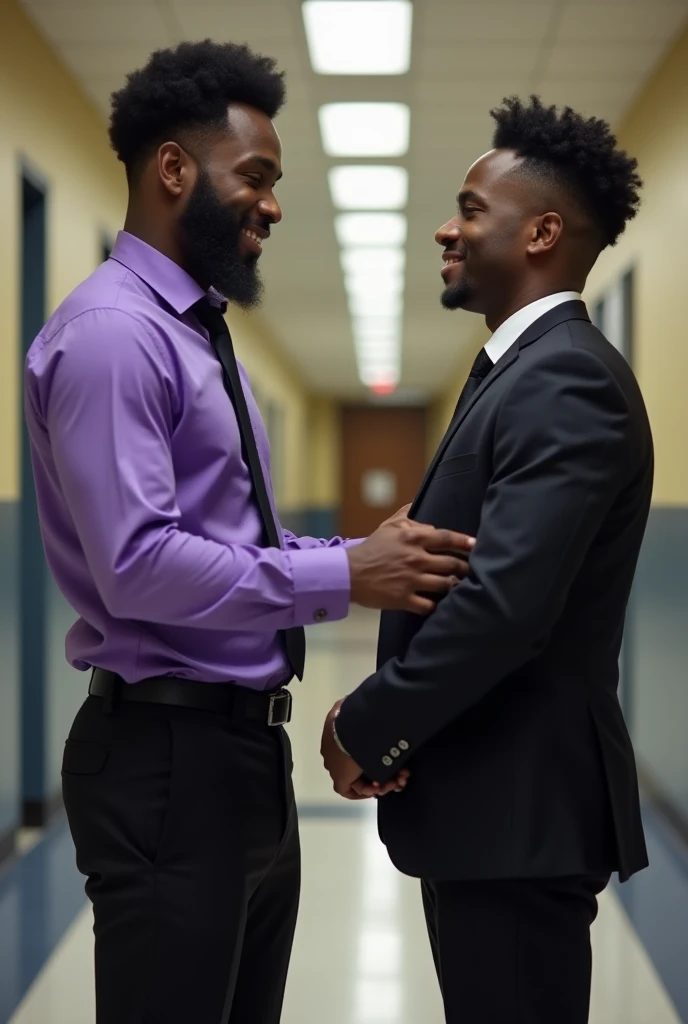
[[503, 703]]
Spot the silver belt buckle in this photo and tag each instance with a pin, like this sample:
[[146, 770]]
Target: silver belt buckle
[[279, 709]]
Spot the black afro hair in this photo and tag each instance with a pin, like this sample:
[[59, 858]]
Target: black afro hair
[[579, 153], [189, 87]]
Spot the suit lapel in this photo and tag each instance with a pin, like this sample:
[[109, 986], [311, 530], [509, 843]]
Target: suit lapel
[[560, 314], [510, 357]]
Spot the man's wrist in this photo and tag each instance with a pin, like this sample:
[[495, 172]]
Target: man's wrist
[[336, 737]]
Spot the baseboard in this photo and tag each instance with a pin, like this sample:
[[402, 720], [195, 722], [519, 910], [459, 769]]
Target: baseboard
[[7, 844], [39, 813]]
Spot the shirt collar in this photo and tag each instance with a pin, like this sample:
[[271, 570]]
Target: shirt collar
[[163, 275], [512, 329]]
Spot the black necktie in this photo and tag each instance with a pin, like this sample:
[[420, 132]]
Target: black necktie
[[214, 322], [479, 371]]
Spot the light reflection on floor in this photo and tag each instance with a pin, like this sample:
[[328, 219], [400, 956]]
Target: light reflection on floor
[[361, 954]]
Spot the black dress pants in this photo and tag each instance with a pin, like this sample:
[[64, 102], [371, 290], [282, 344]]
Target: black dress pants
[[513, 952], [185, 826]]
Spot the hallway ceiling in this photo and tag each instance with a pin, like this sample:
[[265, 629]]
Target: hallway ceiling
[[466, 57]]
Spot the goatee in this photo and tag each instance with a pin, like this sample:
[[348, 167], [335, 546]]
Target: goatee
[[456, 296]]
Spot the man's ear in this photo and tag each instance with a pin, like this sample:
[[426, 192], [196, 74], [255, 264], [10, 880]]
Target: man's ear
[[546, 233], [175, 168]]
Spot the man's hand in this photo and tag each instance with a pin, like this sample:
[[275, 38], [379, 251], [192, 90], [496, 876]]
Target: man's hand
[[401, 514], [347, 776], [404, 560]]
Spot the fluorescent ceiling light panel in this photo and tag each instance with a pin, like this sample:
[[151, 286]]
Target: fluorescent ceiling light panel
[[371, 356], [378, 355], [359, 37], [376, 326], [379, 373], [379, 362], [374, 350], [389, 359], [369, 187], [391, 339], [379, 376], [365, 129], [371, 284], [370, 350], [372, 260], [372, 304], [374, 229]]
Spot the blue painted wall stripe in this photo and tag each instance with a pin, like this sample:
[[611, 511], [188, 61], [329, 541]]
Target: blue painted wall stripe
[[10, 782], [659, 648], [656, 901]]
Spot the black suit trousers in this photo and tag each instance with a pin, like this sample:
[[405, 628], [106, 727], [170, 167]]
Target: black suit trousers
[[185, 826], [513, 952]]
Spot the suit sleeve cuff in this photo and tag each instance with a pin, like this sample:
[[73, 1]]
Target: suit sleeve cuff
[[322, 585], [371, 747]]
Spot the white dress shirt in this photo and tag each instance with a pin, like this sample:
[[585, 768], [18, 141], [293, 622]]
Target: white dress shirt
[[504, 337]]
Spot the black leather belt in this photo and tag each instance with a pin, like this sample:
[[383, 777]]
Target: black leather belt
[[238, 702]]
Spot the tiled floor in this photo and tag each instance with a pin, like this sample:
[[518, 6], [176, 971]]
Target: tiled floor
[[361, 954]]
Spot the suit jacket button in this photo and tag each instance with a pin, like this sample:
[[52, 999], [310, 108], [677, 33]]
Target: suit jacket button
[[320, 615], [403, 745], [395, 752], [387, 761]]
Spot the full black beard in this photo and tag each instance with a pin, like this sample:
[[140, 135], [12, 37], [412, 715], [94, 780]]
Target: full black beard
[[211, 232], [456, 296]]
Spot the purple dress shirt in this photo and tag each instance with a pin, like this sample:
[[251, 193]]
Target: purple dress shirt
[[148, 519]]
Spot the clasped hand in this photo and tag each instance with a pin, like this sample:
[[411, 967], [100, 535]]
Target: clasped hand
[[347, 776]]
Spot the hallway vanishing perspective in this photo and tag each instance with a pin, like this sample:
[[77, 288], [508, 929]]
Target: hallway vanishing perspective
[[357, 369]]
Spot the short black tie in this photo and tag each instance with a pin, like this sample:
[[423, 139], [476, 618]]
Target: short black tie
[[479, 371], [214, 322]]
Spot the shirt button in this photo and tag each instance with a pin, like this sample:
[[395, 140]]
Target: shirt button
[[320, 614], [387, 761], [395, 752], [403, 745]]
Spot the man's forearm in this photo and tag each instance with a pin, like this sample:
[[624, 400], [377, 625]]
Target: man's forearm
[[336, 734], [180, 579]]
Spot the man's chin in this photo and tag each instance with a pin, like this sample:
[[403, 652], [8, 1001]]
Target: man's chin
[[456, 297], [248, 302], [243, 287]]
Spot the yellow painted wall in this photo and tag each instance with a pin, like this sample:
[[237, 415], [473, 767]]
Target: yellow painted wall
[[656, 132], [47, 119], [323, 484]]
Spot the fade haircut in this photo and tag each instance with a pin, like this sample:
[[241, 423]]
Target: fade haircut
[[576, 154]]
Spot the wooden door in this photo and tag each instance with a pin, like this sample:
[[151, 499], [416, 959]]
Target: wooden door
[[384, 460]]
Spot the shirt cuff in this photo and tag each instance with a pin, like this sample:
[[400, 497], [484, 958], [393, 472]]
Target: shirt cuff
[[322, 584]]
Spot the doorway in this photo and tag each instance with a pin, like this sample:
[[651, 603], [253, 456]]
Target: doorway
[[32, 574], [383, 461]]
